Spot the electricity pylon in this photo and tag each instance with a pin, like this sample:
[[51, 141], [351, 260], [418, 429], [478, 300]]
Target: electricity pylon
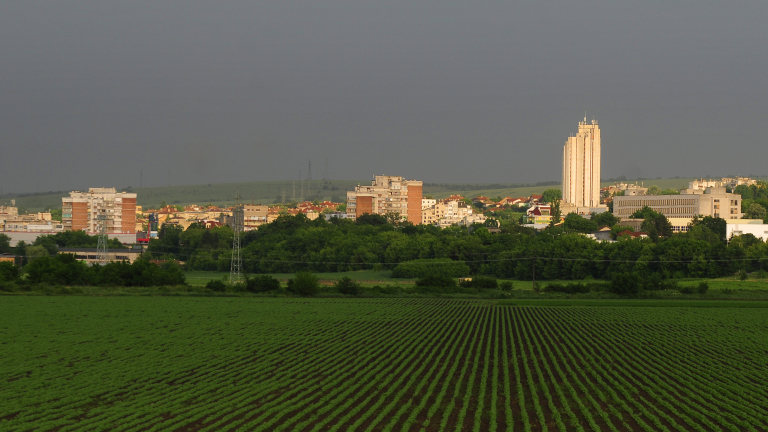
[[101, 247], [235, 275]]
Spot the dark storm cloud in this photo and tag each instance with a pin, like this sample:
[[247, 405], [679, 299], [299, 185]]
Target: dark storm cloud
[[94, 92]]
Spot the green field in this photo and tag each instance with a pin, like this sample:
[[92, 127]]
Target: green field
[[169, 363], [267, 192]]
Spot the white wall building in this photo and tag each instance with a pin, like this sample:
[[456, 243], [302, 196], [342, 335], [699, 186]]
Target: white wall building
[[737, 227]]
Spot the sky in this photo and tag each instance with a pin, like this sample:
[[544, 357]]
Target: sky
[[99, 94]]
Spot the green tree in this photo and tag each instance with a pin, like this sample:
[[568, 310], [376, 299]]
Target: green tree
[[716, 225], [56, 214], [577, 223], [555, 219], [8, 272], [551, 195], [348, 286], [304, 284], [605, 219], [654, 190], [744, 191], [5, 244], [670, 192], [33, 252], [755, 211]]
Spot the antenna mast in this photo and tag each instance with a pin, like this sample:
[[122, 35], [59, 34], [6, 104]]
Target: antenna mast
[[237, 227]]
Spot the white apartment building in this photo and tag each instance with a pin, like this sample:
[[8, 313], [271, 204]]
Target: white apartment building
[[581, 171]]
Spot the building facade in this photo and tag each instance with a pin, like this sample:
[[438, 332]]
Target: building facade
[[80, 210], [387, 194], [581, 167], [713, 202]]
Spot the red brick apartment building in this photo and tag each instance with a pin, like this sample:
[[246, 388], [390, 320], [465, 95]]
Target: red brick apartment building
[[79, 211], [387, 194]]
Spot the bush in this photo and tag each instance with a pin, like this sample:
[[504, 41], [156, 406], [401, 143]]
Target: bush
[[347, 286], [506, 286], [485, 282], [625, 284], [303, 284], [437, 281], [431, 267], [570, 288], [743, 275], [261, 283], [216, 285], [703, 287]]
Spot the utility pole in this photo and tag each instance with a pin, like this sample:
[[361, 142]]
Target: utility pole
[[534, 274], [325, 173], [141, 178], [237, 227], [293, 197], [283, 196]]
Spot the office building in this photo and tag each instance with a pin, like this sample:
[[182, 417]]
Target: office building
[[711, 201]]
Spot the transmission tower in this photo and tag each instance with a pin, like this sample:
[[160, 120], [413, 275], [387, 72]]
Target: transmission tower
[[101, 248], [237, 227]]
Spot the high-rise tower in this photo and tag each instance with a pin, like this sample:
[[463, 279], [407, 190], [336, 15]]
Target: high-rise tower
[[581, 168]]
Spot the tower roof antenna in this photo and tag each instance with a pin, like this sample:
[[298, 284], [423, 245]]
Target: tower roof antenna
[[585, 116]]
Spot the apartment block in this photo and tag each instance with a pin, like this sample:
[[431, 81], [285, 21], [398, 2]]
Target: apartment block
[[254, 216], [447, 213], [387, 194], [711, 201], [80, 210]]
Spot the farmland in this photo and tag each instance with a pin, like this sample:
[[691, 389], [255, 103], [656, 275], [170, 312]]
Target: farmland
[[183, 363]]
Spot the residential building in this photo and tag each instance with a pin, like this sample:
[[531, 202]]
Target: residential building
[[427, 203], [713, 202], [725, 182], [539, 214], [387, 194], [81, 209], [254, 216], [581, 169], [448, 212]]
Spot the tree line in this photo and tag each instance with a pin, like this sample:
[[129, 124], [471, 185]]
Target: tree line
[[294, 243]]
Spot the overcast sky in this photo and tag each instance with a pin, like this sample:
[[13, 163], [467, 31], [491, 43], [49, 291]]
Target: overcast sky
[[93, 92]]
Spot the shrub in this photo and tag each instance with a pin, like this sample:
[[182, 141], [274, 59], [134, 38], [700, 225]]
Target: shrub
[[506, 286], [303, 284], [431, 267], [436, 281], [261, 283], [625, 284], [485, 282], [703, 287], [743, 275], [216, 285], [570, 288], [347, 286]]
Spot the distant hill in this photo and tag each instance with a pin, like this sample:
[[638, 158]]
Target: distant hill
[[223, 194]]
